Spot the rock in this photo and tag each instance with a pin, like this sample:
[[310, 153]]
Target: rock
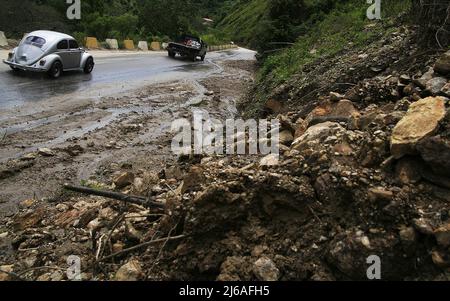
[[86, 217], [435, 85], [300, 128], [442, 235], [270, 160], [435, 151], [30, 156], [131, 271], [124, 180], [335, 97], [118, 247], [442, 65], [3, 40], [286, 138], [112, 44], [29, 219], [446, 90], [423, 226], [437, 179], [421, 82], [62, 207], [440, 259], [4, 276], [408, 235], [142, 45], [192, 180], [274, 106], [407, 171], [51, 276], [317, 133], [74, 150], [46, 152], [380, 194], [421, 121], [173, 172], [405, 79], [27, 203], [266, 270], [209, 93]]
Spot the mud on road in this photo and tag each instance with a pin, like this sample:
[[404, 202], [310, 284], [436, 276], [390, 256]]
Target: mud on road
[[93, 139]]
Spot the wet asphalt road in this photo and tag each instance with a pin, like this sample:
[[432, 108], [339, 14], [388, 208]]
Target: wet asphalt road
[[113, 73]]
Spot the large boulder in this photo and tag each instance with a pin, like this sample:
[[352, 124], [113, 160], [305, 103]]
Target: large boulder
[[317, 134], [442, 65], [421, 121], [436, 152], [3, 40]]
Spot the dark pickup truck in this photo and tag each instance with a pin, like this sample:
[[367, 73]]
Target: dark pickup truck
[[188, 46]]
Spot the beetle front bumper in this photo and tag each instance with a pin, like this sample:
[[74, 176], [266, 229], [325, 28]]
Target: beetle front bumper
[[33, 68]]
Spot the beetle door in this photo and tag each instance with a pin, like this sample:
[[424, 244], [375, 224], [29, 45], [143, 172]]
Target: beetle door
[[74, 55], [62, 49]]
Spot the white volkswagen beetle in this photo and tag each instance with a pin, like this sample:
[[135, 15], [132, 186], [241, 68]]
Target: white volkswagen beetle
[[50, 52]]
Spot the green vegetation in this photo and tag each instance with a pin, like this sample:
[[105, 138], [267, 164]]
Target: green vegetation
[[344, 26], [121, 19]]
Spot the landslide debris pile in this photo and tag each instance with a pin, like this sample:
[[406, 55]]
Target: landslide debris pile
[[364, 172]]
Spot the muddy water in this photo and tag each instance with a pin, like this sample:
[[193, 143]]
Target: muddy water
[[144, 93]]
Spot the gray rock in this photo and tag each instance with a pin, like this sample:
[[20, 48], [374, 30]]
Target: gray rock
[[317, 133], [266, 270], [436, 152], [442, 65], [436, 84]]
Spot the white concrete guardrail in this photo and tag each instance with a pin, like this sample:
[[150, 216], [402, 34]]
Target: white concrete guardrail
[[3, 40]]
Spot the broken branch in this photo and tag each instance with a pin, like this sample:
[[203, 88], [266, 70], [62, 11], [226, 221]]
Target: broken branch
[[114, 195], [143, 245]]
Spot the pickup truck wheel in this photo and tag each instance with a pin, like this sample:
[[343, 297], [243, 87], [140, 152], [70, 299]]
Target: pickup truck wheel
[[14, 69], [203, 58], [56, 70], [89, 66], [171, 54], [193, 57]]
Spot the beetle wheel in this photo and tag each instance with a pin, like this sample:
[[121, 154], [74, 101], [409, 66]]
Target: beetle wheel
[[89, 66], [56, 70]]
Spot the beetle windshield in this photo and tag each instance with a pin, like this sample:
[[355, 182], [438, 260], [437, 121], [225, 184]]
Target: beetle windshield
[[35, 41]]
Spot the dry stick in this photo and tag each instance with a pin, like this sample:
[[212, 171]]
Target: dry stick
[[115, 196], [163, 246], [442, 28], [315, 215], [137, 247]]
